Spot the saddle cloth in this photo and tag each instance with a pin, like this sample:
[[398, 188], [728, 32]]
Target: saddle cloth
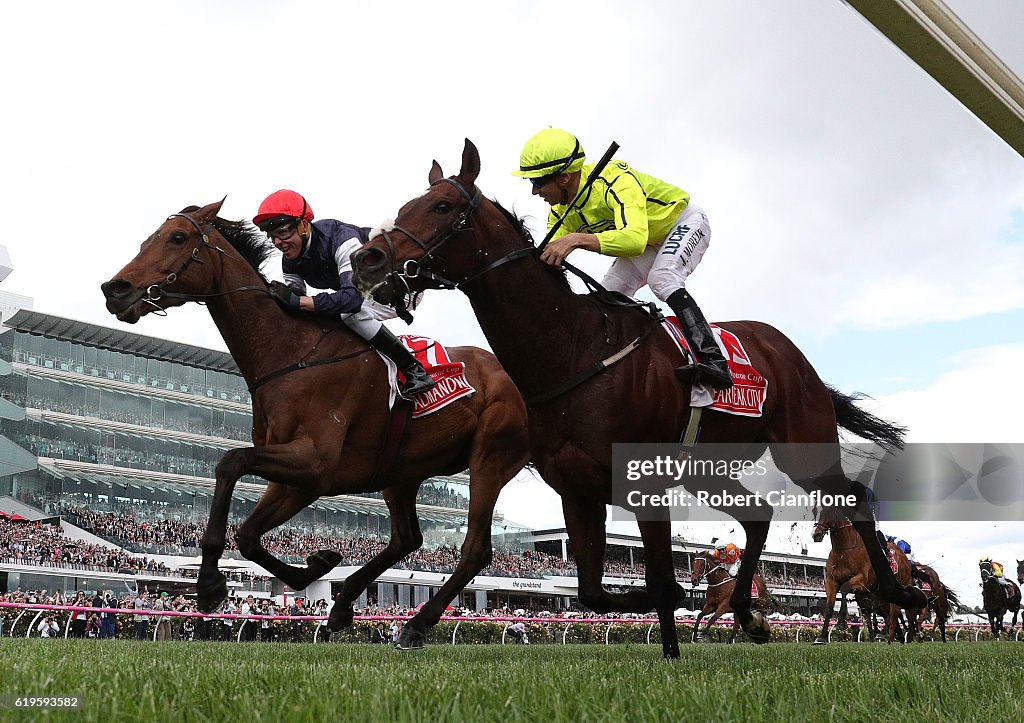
[[747, 395], [449, 375]]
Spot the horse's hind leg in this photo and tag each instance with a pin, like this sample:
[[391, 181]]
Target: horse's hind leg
[[405, 538], [661, 580]]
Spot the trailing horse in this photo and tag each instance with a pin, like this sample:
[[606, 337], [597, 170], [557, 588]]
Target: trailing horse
[[848, 569], [595, 372], [942, 601], [998, 599], [720, 587], [321, 417]]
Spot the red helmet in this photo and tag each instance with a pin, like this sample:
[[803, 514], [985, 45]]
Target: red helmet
[[282, 207]]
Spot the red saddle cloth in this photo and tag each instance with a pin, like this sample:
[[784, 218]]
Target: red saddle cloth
[[749, 389], [449, 375]]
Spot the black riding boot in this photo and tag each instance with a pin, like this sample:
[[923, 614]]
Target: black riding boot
[[883, 542], [417, 380], [711, 367]]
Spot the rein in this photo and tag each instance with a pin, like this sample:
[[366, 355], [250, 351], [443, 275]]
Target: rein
[[416, 269]]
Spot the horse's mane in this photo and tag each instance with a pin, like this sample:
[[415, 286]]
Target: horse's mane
[[556, 272], [251, 244]]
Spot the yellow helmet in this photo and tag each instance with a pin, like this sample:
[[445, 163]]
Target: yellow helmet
[[549, 152], [983, 560]]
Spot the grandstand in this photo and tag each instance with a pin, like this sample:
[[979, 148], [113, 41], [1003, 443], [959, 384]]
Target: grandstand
[[116, 436]]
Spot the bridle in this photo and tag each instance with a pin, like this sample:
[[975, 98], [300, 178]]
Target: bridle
[[709, 570], [416, 268], [157, 292]]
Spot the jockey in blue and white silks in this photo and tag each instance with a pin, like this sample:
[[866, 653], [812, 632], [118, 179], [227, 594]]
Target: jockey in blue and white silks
[[319, 254]]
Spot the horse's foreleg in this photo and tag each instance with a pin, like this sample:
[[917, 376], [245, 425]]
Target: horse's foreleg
[[754, 624], [830, 602], [585, 523], [841, 617], [405, 538], [212, 586], [500, 450], [278, 505], [695, 635]]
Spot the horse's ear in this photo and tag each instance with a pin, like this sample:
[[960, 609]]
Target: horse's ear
[[470, 164], [436, 174], [210, 212]]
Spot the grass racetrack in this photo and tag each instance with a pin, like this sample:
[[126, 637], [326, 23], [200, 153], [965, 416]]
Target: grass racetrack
[[280, 682]]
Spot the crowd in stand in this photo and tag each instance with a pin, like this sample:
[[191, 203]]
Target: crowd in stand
[[31, 544], [115, 456], [121, 374], [44, 544], [190, 425]]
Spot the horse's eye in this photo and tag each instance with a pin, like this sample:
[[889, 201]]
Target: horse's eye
[[178, 238], [442, 208]]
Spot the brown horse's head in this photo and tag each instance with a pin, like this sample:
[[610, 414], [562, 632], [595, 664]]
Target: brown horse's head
[[421, 249], [828, 518], [170, 268], [700, 563]]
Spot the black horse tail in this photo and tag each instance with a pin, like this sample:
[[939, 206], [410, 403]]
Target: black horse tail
[[954, 601], [854, 419]]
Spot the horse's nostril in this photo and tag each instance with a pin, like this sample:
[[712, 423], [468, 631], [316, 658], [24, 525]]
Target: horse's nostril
[[369, 259], [115, 287]]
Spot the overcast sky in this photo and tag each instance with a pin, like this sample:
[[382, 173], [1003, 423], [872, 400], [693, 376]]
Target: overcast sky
[[853, 202]]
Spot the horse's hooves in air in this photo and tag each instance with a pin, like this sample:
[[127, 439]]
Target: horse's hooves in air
[[341, 617], [820, 641], [211, 592], [757, 629], [322, 562], [410, 639]]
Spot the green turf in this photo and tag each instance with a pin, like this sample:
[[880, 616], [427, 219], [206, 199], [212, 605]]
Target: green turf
[[279, 682]]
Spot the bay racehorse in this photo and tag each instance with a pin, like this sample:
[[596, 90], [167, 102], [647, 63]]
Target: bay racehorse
[[320, 410], [848, 569], [595, 372], [942, 601], [720, 587], [998, 599]]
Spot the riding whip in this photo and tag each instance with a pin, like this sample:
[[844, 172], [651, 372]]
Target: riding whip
[[593, 174]]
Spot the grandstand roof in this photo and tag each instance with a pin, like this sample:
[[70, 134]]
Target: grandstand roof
[[80, 332]]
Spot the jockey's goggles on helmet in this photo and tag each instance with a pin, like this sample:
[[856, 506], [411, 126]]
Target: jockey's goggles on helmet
[[543, 180], [279, 227]]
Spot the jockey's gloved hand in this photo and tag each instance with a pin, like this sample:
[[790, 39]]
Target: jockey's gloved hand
[[284, 294]]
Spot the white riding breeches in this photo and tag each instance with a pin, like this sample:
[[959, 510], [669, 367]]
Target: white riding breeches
[[367, 321], [664, 267]]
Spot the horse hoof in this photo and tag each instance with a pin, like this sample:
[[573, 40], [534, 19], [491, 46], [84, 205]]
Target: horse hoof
[[322, 562], [341, 617], [211, 592], [757, 629], [410, 639], [820, 641]]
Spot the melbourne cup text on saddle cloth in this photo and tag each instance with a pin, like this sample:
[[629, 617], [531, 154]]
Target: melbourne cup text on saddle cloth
[[747, 395], [449, 375]]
